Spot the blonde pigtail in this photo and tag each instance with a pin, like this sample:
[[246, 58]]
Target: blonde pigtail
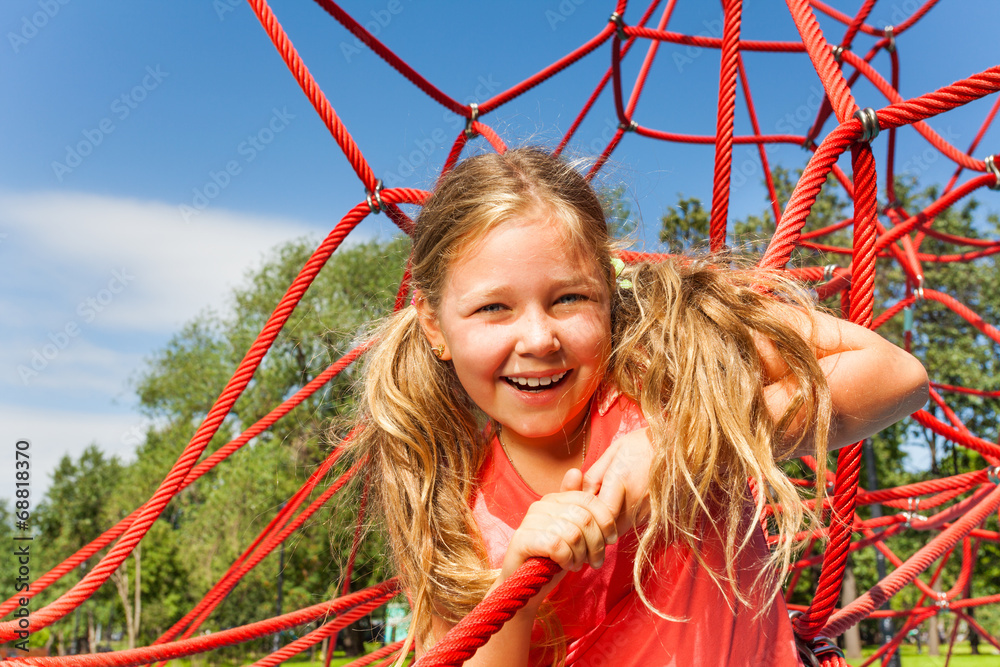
[[425, 447], [685, 349]]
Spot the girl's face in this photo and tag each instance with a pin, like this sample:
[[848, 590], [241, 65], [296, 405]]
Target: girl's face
[[525, 319]]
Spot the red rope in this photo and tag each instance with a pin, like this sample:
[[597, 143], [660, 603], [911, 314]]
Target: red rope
[[489, 615], [899, 241], [725, 123], [149, 654], [889, 586]]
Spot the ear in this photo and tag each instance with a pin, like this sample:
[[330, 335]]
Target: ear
[[430, 325]]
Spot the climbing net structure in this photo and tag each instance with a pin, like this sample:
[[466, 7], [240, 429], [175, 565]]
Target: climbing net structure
[[887, 231]]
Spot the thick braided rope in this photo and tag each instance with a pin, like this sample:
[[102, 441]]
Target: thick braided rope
[[201, 644], [725, 123], [837, 141], [859, 295], [378, 654], [319, 634], [391, 58], [204, 466], [312, 90], [168, 488], [248, 562], [862, 299], [474, 630], [889, 586]]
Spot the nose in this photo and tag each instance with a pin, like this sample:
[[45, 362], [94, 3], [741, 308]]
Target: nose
[[537, 334]]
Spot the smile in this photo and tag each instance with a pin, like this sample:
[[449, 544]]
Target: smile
[[536, 384]]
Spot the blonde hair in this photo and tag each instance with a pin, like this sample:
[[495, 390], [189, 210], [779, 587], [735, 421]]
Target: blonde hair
[[683, 348]]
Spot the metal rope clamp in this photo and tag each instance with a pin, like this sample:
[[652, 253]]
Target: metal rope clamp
[[814, 650], [376, 206], [473, 116], [828, 272], [629, 126], [942, 603], [890, 34], [993, 474], [838, 53], [991, 167], [869, 124], [616, 18], [912, 505]]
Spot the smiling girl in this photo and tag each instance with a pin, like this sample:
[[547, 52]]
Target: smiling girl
[[532, 403]]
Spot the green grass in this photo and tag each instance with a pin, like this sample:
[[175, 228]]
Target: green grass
[[960, 656], [297, 661]]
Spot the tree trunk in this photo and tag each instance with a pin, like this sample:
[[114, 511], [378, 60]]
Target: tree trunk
[[970, 611], [91, 633], [120, 577], [934, 640], [852, 636], [137, 607]]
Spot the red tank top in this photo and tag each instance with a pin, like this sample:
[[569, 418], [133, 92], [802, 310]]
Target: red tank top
[[602, 617]]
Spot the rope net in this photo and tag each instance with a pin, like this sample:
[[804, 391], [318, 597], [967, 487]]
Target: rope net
[[961, 502]]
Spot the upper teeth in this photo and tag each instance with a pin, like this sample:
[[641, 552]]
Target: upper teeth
[[535, 382]]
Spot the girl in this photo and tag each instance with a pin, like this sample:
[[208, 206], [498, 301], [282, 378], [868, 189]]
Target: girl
[[531, 402]]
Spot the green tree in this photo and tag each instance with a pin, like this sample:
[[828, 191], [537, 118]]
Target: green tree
[[74, 511], [208, 526]]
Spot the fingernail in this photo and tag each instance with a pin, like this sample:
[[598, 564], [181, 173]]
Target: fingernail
[[599, 564], [613, 538]]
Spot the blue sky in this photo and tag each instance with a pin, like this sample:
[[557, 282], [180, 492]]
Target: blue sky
[[119, 221]]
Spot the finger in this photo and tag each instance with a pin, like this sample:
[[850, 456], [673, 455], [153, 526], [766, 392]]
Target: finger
[[564, 533], [595, 522], [600, 514], [561, 540], [612, 495], [572, 480], [595, 474]]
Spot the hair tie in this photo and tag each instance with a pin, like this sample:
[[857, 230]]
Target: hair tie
[[623, 283]]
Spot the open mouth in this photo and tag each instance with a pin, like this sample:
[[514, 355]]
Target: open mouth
[[536, 384]]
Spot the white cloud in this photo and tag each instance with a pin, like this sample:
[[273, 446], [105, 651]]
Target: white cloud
[[80, 369], [143, 266], [55, 433], [122, 275]]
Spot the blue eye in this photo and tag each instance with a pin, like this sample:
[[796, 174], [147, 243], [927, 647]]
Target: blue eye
[[491, 308], [571, 298]]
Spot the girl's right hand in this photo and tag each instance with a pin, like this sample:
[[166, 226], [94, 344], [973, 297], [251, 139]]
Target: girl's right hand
[[570, 527]]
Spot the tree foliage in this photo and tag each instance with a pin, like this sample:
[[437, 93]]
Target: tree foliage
[[205, 528]]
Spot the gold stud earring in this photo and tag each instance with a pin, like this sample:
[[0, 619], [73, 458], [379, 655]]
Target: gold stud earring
[[438, 350]]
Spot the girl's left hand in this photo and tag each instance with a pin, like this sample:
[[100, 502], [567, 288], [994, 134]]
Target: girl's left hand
[[620, 478]]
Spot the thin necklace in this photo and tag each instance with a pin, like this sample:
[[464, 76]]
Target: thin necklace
[[583, 457]]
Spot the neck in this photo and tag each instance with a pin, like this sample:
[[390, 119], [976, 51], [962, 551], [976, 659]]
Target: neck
[[543, 462]]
